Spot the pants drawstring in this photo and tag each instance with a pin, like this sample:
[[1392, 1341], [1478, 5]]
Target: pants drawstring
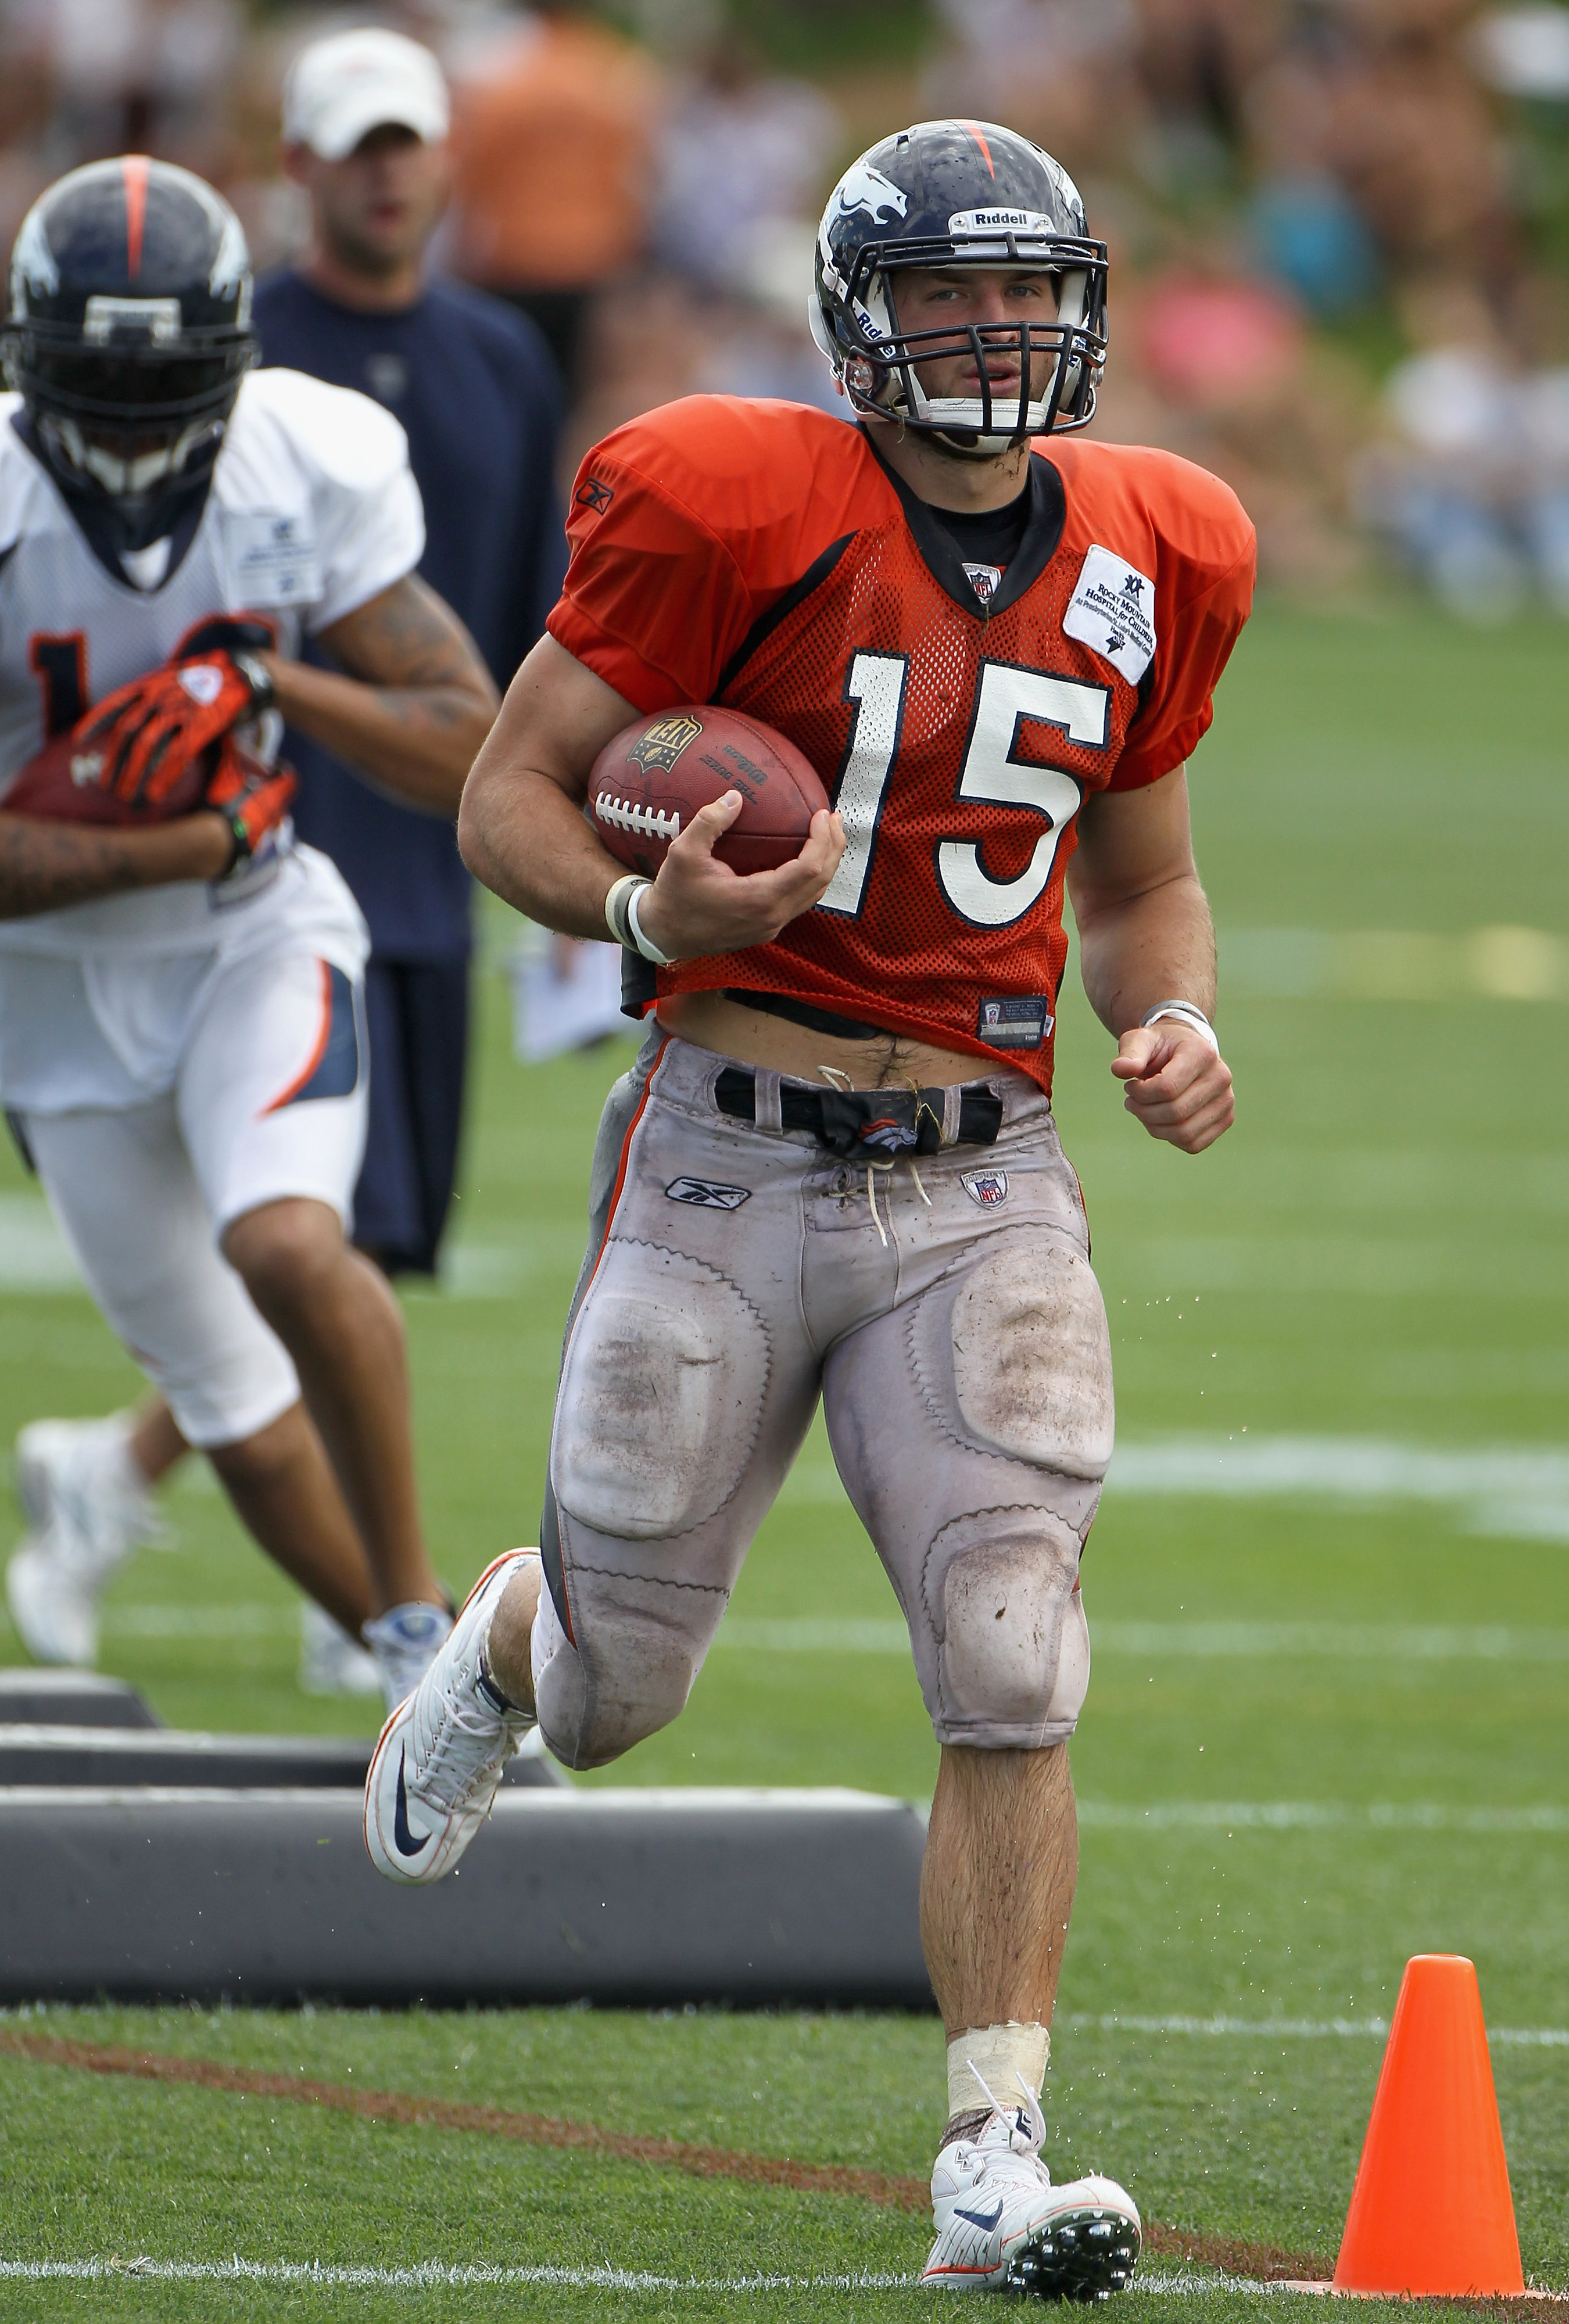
[[872, 1198]]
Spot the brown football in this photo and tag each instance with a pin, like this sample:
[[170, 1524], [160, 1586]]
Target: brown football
[[649, 781], [60, 782]]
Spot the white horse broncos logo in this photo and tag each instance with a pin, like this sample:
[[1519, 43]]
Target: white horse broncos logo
[[864, 188]]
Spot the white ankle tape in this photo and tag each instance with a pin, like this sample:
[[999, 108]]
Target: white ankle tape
[[1001, 2055]]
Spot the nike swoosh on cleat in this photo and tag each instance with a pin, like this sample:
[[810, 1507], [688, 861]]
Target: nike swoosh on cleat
[[408, 1843], [977, 2219]]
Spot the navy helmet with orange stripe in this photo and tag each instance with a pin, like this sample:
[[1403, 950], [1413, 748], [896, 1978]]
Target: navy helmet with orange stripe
[[961, 194], [128, 330]]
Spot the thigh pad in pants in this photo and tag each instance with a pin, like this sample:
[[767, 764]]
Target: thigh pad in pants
[[687, 1385], [973, 1427], [659, 1484]]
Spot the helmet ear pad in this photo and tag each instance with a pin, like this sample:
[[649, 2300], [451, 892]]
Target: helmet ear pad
[[821, 335]]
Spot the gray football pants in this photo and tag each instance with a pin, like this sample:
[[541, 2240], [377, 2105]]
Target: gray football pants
[[954, 1329]]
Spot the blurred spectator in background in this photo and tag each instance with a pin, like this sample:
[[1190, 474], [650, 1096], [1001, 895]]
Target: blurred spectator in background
[[128, 76], [556, 122], [1471, 483], [364, 129], [742, 150], [1057, 69], [1380, 100]]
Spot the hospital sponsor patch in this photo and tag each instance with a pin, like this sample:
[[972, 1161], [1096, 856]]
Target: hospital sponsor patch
[[1113, 612], [1014, 1022]]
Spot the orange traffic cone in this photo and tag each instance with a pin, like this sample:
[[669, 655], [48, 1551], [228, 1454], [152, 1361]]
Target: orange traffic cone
[[1431, 2211]]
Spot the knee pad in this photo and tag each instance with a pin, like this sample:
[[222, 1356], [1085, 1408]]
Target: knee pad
[[657, 1409], [1032, 1358], [1013, 1647], [633, 1672]]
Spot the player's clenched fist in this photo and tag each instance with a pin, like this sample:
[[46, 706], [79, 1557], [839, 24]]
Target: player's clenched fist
[[253, 799], [1179, 1088], [698, 904], [148, 733]]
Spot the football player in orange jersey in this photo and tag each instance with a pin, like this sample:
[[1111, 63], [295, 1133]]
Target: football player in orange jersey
[[834, 1171]]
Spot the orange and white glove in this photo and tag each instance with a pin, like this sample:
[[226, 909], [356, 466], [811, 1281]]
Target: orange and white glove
[[149, 732], [251, 798]]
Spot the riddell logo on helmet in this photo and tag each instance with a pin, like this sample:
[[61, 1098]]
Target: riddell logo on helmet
[[989, 221]]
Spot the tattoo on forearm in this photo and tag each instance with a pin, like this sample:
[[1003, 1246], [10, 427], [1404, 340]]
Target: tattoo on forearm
[[44, 866], [410, 704], [408, 638]]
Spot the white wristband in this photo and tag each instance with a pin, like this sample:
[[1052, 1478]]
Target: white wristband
[[617, 901], [645, 945], [1185, 1013]]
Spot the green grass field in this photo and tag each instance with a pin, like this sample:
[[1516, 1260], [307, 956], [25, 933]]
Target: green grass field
[[1328, 1728]]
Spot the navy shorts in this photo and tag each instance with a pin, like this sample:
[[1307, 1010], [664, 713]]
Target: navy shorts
[[417, 1016]]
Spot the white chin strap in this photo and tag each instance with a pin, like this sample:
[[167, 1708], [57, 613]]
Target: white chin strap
[[122, 478], [966, 416]]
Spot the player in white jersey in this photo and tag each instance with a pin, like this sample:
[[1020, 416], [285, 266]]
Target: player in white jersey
[[182, 1044]]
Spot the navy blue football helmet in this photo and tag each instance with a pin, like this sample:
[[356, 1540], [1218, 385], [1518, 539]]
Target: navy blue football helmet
[[128, 329], [959, 193]]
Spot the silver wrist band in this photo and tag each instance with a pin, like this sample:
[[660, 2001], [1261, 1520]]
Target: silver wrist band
[[645, 945], [1185, 1013], [617, 903]]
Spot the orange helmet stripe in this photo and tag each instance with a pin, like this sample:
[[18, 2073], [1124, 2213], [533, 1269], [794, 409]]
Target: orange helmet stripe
[[979, 135], [133, 170]]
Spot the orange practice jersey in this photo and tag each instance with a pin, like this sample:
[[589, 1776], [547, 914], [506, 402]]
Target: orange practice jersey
[[760, 554]]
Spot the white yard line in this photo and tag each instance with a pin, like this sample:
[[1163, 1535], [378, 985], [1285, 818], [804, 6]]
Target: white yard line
[[1318, 1816], [1193, 1641], [886, 1635], [1496, 963], [236, 1621], [1512, 1492], [428, 2275], [431, 2275], [1292, 2029]]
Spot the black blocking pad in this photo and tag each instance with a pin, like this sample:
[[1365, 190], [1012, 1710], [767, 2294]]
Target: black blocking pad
[[184, 1760], [642, 1897], [70, 1698]]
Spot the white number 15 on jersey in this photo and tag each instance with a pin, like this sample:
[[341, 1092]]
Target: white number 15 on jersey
[[992, 773]]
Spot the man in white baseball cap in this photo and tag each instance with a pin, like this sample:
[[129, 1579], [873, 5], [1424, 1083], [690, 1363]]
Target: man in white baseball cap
[[339, 88]]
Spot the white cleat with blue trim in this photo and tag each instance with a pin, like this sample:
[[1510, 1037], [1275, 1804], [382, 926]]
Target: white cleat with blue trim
[[1002, 2226], [441, 1755]]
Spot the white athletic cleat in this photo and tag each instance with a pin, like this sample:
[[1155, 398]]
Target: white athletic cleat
[[1002, 2226], [330, 1660], [436, 1768], [87, 1507], [403, 1643]]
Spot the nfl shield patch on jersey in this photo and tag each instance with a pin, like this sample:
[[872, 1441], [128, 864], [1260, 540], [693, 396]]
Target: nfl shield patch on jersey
[[1113, 612]]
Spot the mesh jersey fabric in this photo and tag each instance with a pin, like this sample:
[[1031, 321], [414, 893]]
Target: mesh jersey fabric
[[760, 554]]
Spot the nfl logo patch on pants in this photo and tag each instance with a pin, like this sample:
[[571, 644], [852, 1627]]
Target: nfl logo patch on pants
[[987, 1187]]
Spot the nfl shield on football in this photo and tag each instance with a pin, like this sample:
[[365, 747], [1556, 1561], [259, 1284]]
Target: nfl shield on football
[[652, 779]]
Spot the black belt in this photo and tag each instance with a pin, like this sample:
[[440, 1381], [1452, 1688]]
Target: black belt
[[870, 1125]]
